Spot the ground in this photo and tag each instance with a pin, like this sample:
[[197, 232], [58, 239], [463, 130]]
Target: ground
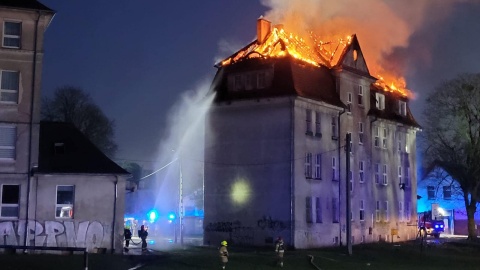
[[436, 255]]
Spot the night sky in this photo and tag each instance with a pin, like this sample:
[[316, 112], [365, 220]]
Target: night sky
[[135, 58]]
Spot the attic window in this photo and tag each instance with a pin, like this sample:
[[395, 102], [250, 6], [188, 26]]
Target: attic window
[[380, 101], [402, 108], [355, 55], [59, 148]]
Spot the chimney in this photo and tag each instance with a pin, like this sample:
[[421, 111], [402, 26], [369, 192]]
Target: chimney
[[263, 29]]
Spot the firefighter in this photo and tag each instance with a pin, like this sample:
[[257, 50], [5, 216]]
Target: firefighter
[[128, 236], [142, 233], [223, 253], [279, 250]]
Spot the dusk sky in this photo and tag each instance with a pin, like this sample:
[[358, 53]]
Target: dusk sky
[[135, 58]]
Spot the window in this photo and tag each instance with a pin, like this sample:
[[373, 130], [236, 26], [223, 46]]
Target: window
[[361, 173], [262, 82], [385, 179], [308, 209], [362, 210], [401, 213], [335, 211], [9, 86], [384, 139], [10, 201], [399, 142], [318, 166], [238, 82], [308, 165], [334, 168], [334, 127], [65, 200], [377, 212], [400, 174], [349, 102], [407, 150], [447, 192], [380, 101], [318, 130], [350, 175], [431, 192], [360, 133], [250, 79], [318, 210], [11, 34], [351, 142], [402, 108], [377, 173], [377, 136], [387, 212], [360, 95], [8, 137], [309, 121]]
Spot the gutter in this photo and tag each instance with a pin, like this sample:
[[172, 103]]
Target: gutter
[[339, 177], [114, 214], [32, 98]]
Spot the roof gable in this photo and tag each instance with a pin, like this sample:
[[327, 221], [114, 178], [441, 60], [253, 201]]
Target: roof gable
[[352, 57], [64, 149]]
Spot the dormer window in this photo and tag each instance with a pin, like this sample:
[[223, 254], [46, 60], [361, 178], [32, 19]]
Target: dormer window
[[261, 83], [59, 148], [380, 101], [402, 108]]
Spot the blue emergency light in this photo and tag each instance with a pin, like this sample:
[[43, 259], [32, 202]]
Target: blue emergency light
[[152, 215]]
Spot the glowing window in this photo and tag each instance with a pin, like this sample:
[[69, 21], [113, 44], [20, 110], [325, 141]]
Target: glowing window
[[65, 200]]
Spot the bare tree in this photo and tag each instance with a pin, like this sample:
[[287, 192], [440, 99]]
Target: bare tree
[[73, 105], [452, 136]]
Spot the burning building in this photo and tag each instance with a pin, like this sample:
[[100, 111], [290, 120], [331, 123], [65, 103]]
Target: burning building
[[275, 154]]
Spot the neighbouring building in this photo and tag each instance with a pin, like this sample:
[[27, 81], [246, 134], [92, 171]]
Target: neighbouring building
[[275, 159], [440, 193], [56, 188]]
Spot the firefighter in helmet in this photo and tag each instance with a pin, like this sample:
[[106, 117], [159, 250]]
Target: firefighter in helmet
[[223, 253], [279, 250]]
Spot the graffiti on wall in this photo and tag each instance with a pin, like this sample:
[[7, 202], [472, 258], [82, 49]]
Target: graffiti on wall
[[267, 223], [87, 234]]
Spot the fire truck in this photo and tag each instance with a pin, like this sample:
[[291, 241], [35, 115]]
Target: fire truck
[[430, 226]]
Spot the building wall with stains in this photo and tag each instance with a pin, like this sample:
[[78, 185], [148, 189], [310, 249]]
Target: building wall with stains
[[93, 218]]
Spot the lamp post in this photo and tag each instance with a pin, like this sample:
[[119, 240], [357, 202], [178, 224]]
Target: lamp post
[[180, 204]]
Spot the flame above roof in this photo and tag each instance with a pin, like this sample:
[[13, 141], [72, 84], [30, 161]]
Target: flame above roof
[[279, 43]]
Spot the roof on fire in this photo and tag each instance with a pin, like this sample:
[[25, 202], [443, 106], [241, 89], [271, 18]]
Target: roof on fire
[[64, 149], [25, 4], [290, 77]]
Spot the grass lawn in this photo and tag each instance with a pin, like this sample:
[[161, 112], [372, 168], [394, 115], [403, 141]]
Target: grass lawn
[[459, 255]]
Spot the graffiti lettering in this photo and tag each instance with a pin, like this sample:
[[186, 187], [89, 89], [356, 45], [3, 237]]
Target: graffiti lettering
[[53, 233], [267, 223]]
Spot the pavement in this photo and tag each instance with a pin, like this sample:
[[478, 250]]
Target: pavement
[[157, 245]]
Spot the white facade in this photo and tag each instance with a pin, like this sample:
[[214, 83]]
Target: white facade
[[275, 156]]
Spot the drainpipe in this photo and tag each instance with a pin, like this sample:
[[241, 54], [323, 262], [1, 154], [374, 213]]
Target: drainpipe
[[114, 214], [339, 174], [32, 98], [292, 172]]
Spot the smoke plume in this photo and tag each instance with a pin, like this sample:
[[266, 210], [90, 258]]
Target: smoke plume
[[385, 29]]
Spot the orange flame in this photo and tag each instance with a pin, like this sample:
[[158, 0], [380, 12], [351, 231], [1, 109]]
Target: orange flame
[[316, 52]]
